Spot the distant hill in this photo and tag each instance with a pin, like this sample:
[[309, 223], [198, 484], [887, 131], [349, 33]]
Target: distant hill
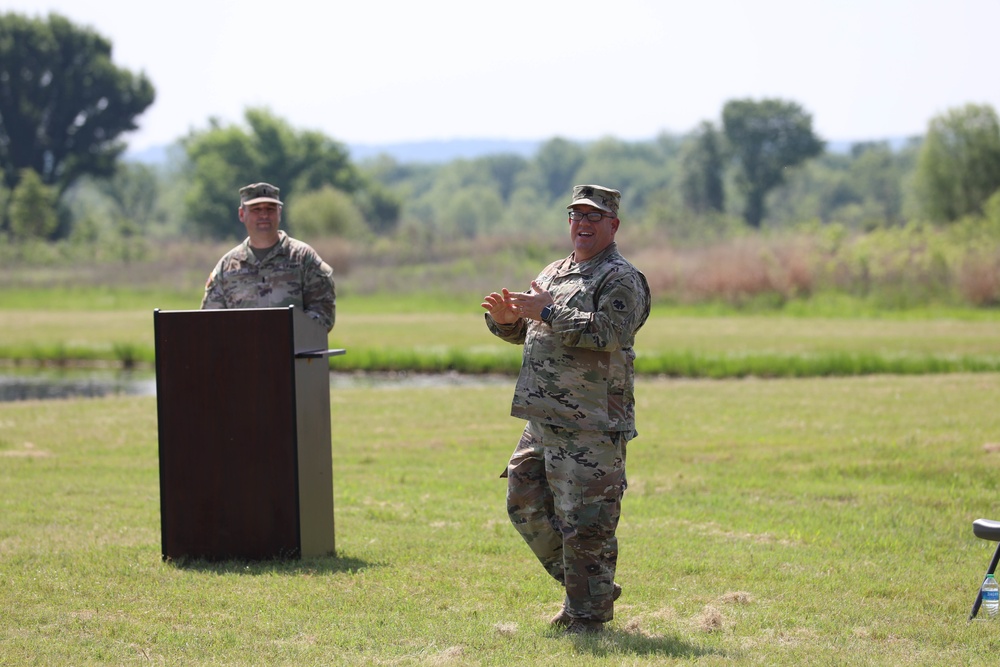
[[152, 155], [844, 147], [446, 150], [416, 151]]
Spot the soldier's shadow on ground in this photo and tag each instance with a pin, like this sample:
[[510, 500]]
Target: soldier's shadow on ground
[[290, 566], [618, 642]]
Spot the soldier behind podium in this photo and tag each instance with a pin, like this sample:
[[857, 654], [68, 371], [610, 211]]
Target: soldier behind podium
[[270, 269]]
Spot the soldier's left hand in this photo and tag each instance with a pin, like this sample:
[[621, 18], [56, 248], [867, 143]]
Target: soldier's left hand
[[530, 304]]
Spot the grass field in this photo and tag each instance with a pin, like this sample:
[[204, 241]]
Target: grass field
[[778, 522], [438, 333]]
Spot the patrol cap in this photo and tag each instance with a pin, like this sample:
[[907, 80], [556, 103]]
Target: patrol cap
[[598, 196], [259, 192]]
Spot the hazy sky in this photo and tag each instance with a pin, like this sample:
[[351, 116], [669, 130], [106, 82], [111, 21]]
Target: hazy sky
[[380, 71]]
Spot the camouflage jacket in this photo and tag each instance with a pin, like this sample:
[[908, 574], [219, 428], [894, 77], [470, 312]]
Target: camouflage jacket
[[292, 274], [577, 369]]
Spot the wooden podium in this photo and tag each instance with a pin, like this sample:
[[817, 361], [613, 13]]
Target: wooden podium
[[243, 409]]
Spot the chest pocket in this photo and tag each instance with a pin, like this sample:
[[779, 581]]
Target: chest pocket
[[579, 295]]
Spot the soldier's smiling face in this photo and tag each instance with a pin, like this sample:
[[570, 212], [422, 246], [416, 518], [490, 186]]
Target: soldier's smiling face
[[261, 220], [589, 237]]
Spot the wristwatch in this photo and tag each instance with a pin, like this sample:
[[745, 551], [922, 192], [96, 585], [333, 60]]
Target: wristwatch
[[546, 313]]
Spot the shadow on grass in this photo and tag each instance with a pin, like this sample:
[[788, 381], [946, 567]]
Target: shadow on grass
[[614, 642], [328, 565]]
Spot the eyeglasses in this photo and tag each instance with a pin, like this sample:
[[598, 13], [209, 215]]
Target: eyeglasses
[[593, 216]]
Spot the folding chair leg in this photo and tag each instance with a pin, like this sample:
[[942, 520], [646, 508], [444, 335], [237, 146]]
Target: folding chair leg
[[979, 595]]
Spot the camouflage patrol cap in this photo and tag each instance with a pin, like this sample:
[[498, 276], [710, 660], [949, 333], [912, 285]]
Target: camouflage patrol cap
[[259, 192], [599, 196]]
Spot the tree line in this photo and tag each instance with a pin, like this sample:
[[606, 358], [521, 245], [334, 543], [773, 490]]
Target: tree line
[[65, 106]]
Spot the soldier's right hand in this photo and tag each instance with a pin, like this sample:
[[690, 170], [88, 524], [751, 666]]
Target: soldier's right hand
[[499, 307]]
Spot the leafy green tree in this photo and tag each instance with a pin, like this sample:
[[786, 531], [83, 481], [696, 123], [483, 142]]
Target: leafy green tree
[[558, 160], [635, 168], [861, 189], [220, 163], [127, 243], [415, 178], [445, 207], [134, 189], [63, 103], [471, 212], [223, 159], [702, 165], [327, 212], [379, 208], [959, 164], [766, 138], [33, 212], [875, 175], [814, 192], [4, 201], [504, 170]]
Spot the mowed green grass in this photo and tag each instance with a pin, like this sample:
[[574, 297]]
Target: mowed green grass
[[777, 522], [386, 333]]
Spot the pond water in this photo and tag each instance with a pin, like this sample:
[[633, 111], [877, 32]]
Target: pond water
[[41, 384], [17, 384]]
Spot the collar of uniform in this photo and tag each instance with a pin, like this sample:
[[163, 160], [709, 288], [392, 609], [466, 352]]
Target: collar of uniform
[[280, 247], [587, 265]]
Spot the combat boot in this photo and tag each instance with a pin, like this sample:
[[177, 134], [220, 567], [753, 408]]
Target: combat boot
[[564, 620], [584, 626]]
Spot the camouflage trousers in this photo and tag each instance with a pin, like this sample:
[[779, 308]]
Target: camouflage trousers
[[564, 493]]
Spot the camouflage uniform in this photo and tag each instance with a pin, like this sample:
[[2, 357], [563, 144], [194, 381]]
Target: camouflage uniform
[[567, 475], [291, 274]]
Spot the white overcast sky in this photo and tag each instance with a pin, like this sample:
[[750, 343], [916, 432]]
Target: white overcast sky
[[386, 71]]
